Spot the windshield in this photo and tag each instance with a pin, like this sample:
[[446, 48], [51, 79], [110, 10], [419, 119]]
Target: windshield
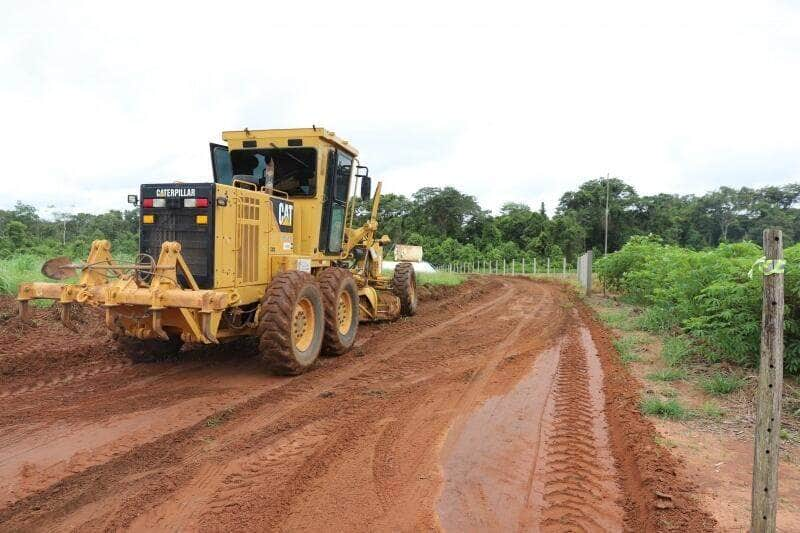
[[291, 170]]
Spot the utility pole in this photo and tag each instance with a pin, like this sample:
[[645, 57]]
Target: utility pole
[[608, 193]]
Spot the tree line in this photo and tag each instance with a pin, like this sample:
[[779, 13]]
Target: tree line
[[452, 226]]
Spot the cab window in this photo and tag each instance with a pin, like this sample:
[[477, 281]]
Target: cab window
[[340, 168], [291, 170]]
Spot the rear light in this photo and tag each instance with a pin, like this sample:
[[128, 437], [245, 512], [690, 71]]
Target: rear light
[[154, 202], [195, 202], [148, 219], [202, 219]]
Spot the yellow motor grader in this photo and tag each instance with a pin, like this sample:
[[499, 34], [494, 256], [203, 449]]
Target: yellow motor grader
[[269, 249]]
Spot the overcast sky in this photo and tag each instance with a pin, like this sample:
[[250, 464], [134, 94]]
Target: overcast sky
[[506, 101]]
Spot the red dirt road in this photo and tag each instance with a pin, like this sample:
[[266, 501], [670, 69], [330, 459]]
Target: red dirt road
[[500, 406]]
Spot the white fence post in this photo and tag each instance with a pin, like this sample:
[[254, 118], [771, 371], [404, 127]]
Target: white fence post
[[564, 267], [513, 266], [534, 265], [523, 266], [548, 265], [585, 271]]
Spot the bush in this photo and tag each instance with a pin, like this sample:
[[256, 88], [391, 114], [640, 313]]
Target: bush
[[706, 293]]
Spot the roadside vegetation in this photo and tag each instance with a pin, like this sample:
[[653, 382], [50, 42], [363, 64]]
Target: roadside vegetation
[[440, 278], [18, 269], [681, 382], [705, 296]]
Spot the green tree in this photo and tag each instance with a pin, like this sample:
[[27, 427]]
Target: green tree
[[588, 206], [17, 234]]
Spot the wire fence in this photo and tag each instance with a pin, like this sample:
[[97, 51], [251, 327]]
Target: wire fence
[[539, 267]]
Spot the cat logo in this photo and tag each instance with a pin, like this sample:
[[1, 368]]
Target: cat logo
[[284, 214]]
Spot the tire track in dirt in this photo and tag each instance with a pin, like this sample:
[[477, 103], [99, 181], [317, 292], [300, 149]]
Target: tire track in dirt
[[577, 473], [290, 395], [75, 457], [230, 485], [504, 364]]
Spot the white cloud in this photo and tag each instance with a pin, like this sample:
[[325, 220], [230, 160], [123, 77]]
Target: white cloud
[[506, 101]]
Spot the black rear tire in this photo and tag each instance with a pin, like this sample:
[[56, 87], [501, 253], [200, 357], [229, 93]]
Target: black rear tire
[[340, 296], [291, 325], [404, 286]]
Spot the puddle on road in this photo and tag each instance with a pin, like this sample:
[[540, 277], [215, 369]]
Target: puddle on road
[[502, 472], [487, 466]]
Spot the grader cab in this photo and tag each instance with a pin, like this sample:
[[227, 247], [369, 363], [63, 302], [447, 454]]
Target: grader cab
[[269, 249]]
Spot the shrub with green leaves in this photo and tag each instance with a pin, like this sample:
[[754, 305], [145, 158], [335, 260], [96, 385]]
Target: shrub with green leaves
[[706, 293]]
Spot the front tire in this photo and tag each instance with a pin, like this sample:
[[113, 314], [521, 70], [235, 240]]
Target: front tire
[[404, 286], [291, 326], [340, 296]]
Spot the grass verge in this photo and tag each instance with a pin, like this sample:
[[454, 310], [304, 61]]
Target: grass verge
[[667, 374], [440, 278], [670, 409], [19, 269], [721, 384], [628, 348]]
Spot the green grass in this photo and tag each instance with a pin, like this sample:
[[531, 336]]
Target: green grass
[[671, 409], [628, 347], [676, 350], [618, 319], [667, 374], [440, 278], [17, 270], [711, 410], [720, 384], [657, 320]]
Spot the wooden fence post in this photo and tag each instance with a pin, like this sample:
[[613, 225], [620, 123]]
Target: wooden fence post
[[768, 397], [523, 266], [534, 265]]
